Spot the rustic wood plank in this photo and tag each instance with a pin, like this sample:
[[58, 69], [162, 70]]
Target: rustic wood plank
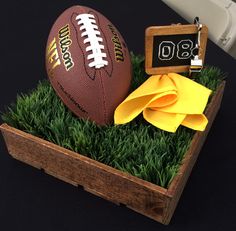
[[95, 177], [177, 185], [121, 188], [174, 29]]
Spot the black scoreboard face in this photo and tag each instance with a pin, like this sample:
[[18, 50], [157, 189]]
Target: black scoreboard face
[[173, 50]]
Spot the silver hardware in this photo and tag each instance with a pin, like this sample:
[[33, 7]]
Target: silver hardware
[[197, 63]]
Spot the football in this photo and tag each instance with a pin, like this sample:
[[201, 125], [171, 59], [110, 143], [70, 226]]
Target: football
[[88, 64]]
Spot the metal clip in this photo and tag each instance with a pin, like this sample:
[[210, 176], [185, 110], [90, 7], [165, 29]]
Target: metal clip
[[197, 63], [199, 28]]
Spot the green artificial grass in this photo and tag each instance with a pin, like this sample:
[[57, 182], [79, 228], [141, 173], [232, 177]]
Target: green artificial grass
[[137, 148]]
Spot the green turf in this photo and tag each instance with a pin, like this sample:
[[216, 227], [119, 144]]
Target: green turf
[[137, 148]]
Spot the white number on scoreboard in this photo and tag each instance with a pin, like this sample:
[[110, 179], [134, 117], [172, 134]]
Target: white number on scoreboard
[[167, 49]]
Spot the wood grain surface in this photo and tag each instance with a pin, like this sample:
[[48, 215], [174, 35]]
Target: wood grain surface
[[121, 188]]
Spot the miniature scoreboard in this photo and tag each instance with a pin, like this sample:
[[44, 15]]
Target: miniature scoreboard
[[175, 48]]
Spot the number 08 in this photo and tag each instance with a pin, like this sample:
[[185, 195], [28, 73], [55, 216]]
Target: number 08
[[167, 50]]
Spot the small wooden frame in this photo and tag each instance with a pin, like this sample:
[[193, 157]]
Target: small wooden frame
[[121, 188], [168, 48]]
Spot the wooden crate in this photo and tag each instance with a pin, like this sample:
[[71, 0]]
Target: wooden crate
[[121, 188]]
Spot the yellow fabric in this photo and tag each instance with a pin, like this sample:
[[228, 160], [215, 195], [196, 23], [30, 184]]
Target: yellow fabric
[[167, 101]]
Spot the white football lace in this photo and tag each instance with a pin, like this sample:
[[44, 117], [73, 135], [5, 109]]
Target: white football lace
[[87, 23]]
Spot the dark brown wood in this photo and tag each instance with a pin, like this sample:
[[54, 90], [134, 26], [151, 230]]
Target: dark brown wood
[[95, 177], [177, 185], [121, 188]]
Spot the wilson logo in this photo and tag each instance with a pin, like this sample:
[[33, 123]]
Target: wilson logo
[[65, 43], [117, 45]]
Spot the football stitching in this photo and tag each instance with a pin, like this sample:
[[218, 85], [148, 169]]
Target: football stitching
[[93, 40], [92, 77], [109, 73], [104, 101]]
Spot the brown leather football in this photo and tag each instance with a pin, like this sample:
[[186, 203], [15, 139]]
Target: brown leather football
[[88, 64]]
